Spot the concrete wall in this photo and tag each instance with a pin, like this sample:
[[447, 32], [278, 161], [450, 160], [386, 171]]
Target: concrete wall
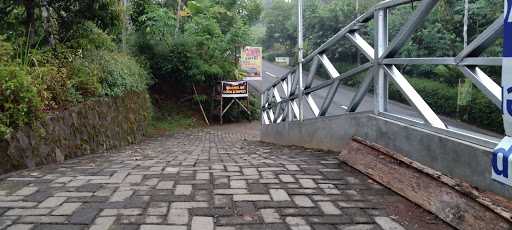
[[91, 127], [455, 158]]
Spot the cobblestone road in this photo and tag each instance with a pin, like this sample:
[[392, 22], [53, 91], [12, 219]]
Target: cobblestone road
[[204, 180]]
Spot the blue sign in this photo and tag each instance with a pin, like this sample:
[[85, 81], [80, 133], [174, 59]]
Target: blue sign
[[502, 162], [507, 44], [506, 76]]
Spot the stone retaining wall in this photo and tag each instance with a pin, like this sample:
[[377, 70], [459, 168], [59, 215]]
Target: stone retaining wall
[[91, 127]]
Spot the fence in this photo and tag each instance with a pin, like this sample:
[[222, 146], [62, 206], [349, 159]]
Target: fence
[[284, 105]]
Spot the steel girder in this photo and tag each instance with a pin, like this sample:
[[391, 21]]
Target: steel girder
[[381, 67]]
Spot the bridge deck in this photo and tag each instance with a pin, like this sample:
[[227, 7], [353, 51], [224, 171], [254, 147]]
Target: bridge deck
[[216, 178]]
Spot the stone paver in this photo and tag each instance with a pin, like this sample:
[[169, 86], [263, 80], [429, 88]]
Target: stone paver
[[217, 178], [66, 209], [202, 223], [178, 216]]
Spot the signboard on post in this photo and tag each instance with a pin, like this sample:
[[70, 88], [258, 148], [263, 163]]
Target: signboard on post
[[501, 160], [283, 60], [251, 63], [234, 89], [506, 79]]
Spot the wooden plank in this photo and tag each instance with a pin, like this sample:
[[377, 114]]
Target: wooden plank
[[500, 205], [452, 206]]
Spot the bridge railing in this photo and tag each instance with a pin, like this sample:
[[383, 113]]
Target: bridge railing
[[280, 102]]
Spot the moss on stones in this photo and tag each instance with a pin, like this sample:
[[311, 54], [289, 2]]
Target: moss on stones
[[91, 127]]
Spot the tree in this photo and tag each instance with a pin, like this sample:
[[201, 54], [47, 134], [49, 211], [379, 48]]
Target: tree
[[279, 29], [204, 49], [58, 17]]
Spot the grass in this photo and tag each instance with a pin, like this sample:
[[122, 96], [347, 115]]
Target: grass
[[170, 116], [167, 120]]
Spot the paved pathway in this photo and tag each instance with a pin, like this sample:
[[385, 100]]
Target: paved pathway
[[217, 178]]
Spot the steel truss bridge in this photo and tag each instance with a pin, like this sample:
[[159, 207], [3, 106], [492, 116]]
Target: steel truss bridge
[[281, 102]]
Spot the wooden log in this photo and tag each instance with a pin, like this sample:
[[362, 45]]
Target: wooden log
[[425, 189], [500, 205]]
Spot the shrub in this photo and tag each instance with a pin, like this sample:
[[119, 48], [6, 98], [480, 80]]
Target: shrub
[[442, 98], [484, 113], [54, 86], [86, 77], [120, 73], [6, 51], [87, 36], [19, 101]]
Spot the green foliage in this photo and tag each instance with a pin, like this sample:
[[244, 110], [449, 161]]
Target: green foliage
[[19, 101], [171, 124], [138, 9], [443, 100], [169, 119], [85, 80], [159, 24], [447, 74], [205, 47], [236, 113], [279, 23], [440, 35], [6, 51], [87, 36], [484, 113], [197, 50], [106, 14], [54, 21], [200, 52], [206, 41], [40, 79], [251, 10], [120, 73], [321, 21], [55, 88]]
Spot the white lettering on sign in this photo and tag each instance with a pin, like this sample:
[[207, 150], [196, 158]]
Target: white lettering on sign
[[506, 83], [502, 162], [506, 79], [508, 11]]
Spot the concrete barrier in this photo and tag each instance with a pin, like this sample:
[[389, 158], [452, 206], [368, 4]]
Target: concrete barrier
[[453, 157]]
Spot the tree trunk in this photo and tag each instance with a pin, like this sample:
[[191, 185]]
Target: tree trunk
[[47, 22], [30, 19], [178, 17]]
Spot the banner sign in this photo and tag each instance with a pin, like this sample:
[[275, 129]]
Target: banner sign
[[283, 60], [251, 63], [234, 89], [501, 161], [506, 79]]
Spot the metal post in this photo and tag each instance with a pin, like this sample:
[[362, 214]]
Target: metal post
[[381, 43], [300, 57], [289, 80], [358, 52], [262, 102], [125, 24], [221, 109]]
